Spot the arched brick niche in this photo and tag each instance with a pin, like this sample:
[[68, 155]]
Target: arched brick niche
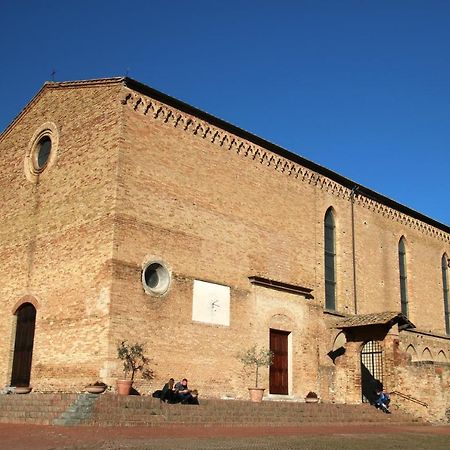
[[427, 355], [442, 357], [25, 299], [411, 351], [281, 321]]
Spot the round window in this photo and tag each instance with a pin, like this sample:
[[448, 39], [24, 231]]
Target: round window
[[42, 152], [155, 278]]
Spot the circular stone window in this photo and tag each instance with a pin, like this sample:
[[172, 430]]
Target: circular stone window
[[42, 153], [155, 278]]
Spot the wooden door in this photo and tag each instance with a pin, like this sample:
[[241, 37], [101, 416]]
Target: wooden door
[[23, 348], [279, 383]]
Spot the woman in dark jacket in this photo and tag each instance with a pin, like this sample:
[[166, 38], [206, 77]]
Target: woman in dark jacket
[[168, 392]]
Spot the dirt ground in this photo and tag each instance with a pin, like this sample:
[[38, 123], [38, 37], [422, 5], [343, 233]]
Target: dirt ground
[[15, 436]]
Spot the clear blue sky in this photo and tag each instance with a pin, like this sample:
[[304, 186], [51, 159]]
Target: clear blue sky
[[361, 87]]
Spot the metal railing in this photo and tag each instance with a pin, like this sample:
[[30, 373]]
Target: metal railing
[[410, 398]]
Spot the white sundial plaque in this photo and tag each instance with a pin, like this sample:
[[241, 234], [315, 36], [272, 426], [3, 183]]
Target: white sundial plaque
[[211, 303]]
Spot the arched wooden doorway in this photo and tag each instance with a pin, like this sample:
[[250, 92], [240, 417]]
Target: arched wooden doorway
[[23, 347]]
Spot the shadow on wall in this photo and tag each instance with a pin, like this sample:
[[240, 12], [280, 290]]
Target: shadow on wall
[[334, 354], [368, 384]]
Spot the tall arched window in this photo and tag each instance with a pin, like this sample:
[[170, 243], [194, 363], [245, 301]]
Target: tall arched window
[[445, 291], [403, 276], [330, 260]]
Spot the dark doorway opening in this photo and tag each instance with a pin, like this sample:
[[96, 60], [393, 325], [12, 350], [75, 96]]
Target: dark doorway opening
[[23, 347], [279, 373], [371, 370]]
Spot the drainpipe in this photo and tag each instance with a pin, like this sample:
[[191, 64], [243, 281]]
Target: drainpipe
[[352, 201]]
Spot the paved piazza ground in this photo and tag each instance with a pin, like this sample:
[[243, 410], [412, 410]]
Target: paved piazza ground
[[352, 437]]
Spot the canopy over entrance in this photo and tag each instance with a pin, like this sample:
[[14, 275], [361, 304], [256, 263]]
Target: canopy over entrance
[[387, 318]]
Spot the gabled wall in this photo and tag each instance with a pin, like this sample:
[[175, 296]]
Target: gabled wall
[[56, 233]]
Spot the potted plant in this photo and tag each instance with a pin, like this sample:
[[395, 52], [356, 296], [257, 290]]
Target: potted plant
[[96, 388], [311, 397], [134, 361], [256, 358], [23, 389]]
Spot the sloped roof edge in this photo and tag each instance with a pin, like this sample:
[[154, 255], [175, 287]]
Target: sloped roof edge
[[384, 318], [57, 85]]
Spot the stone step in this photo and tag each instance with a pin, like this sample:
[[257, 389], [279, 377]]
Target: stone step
[[111, 409], [34, 408], [78, 412], [233, 413]]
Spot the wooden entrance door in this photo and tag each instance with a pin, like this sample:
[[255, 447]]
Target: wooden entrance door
[[279, 369], [23, 348]]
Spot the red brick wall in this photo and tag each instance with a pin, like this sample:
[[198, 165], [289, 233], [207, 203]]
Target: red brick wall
[[57, 234], [136, 180]]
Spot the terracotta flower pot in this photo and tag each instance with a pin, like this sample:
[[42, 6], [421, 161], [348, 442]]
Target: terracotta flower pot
[[124, 387], [92, 389], [256, 394], [23, 389]]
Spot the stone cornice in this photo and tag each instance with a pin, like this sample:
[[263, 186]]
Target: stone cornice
[[429, 333], [281, 286], [245, 149]]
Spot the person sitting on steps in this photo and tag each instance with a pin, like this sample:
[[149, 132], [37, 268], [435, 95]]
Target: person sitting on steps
[[382, 398], [184, 394], [168, 392]]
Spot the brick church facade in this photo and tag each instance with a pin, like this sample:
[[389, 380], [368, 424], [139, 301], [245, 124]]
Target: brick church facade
[[127, 214]]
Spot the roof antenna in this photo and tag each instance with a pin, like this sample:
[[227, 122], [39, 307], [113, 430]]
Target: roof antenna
[[53, 74]]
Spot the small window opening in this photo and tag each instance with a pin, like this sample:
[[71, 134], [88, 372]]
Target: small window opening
[[43, 149], [156, 278]]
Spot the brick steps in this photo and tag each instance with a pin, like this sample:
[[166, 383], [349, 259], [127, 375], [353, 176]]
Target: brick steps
[[149, 411], [113, 410], [40, 409]]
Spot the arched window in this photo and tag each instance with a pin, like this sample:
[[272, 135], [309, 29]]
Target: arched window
[[330, 260], [403, 276], [445, 291]]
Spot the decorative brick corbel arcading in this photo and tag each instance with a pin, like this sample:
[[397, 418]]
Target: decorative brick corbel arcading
[[402, 218], [159, 111]]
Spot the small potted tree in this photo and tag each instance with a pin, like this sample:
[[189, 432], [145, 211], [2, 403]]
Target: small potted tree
[[256, 358], [134, 361]]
